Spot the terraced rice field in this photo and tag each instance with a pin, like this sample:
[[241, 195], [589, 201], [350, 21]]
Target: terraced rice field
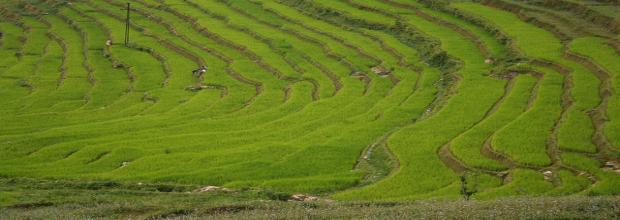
[[384, 100]]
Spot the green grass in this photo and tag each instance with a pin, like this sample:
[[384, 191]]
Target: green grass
[[11, 47], [14, 75], [71, 199], [467, 146], [606, 180], [415, 145], [523, 182], [576, 129], [605, 56], [95, 150], [291, 103], [521, 139]]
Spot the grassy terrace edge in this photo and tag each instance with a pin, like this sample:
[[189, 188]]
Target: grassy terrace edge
[[23, 198]]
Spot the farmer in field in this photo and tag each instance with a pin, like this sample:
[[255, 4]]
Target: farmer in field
[[200, 71]]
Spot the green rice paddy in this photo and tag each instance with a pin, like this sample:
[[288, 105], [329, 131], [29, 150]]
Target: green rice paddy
[[351, 100]]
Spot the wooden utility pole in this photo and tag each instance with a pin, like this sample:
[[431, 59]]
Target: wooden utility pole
[[127, 24]]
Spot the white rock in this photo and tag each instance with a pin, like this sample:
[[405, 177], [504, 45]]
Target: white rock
[[209, 188], [304, 198], [214, 188]]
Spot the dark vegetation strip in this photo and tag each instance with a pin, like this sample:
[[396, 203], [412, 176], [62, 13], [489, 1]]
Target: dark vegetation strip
[[462, 31], [584, 12], [64, 199], [444, 152], [539, 12], [428, 48]]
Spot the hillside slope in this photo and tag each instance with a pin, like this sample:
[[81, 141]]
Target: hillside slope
[[392, 100]]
